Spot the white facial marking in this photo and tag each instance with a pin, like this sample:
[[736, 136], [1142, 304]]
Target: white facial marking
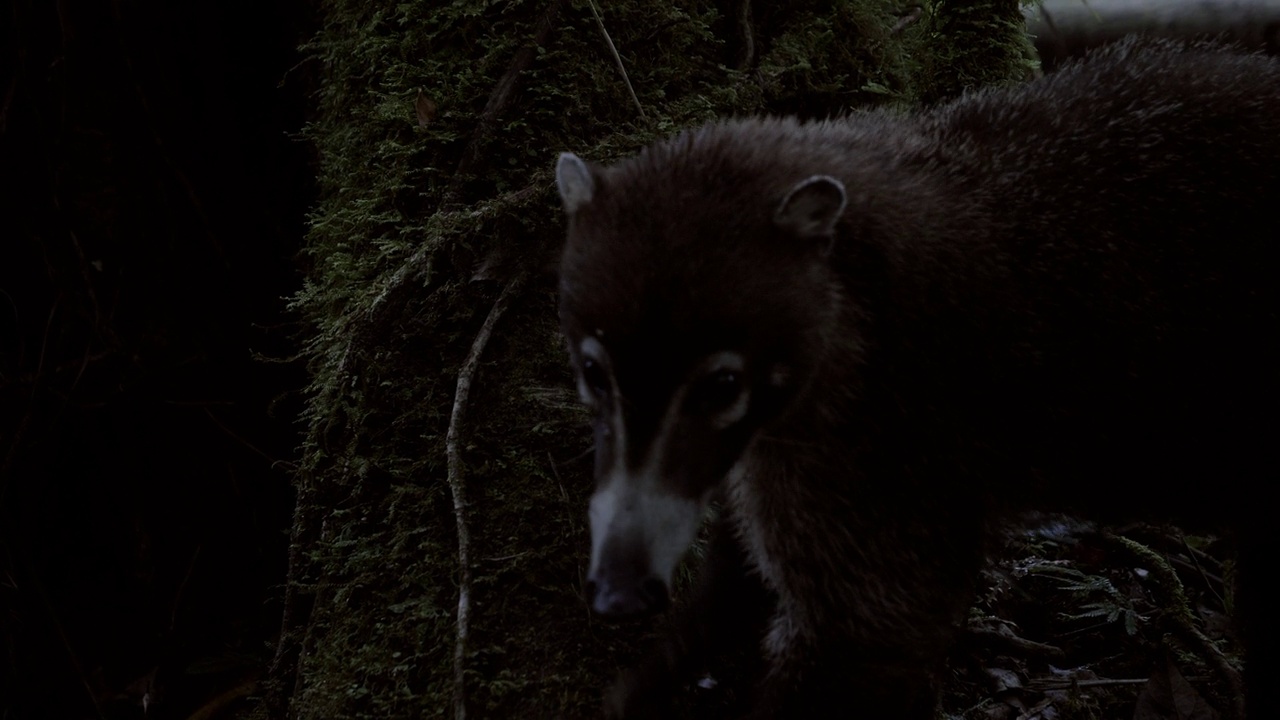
[[591, 348], [633, 508]]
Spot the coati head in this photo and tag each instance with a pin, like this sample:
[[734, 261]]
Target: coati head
[[695, 296]]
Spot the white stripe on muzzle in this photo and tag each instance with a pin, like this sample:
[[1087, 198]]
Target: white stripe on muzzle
[[632, 514]]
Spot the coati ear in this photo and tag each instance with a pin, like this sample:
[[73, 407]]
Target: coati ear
[[812, 208], [573, 178]]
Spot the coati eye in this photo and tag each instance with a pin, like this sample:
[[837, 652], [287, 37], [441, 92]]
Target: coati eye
[[717, 391], [595, 378]]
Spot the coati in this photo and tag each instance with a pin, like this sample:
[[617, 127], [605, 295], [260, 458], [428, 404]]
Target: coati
[[873, 336]]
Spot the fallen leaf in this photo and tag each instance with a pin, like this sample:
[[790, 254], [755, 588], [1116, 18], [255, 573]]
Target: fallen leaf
[[1168, 696]]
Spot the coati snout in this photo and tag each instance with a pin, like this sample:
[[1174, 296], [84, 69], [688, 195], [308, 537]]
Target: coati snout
[[624, 586]]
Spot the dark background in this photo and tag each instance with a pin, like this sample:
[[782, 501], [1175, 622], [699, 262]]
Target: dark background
[[153, 191]]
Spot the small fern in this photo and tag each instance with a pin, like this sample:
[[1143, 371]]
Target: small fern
[[1114, 606]]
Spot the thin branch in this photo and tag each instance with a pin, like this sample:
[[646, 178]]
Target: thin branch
[[556, 472], [1067, 683], [616, 58], [454, 458], [1209, 580], [747, 33]]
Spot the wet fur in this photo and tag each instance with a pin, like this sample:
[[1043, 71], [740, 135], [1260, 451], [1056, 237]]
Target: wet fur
[[1060, 295]]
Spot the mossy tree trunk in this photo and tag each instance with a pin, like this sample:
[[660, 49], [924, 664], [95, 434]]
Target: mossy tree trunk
[[439, 541]]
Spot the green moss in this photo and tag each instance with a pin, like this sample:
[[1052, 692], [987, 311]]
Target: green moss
[[968, 44]]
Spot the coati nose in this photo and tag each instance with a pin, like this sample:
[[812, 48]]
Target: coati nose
[[619, 598]]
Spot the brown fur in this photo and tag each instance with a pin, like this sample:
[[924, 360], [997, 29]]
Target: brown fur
[[1060, 295]]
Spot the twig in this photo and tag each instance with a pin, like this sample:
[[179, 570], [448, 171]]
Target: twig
[[1208, 579], [1012, 643], [454, 461], [616, 58], [556, 472], [1065, 684], [570, 514], [747, 33]]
